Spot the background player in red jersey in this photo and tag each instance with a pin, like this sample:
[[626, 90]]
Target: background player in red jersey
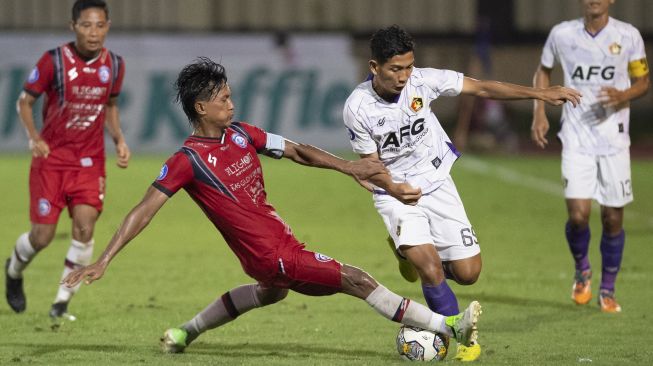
[[81, 81], [218, 166]]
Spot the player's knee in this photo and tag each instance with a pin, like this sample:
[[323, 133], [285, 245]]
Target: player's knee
[[578, 220], [430, 273], [40, 238], [271, 295], [612, 223], [83, 231], [467, 277], [357, 282]]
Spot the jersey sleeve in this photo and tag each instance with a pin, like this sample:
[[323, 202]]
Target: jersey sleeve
[[359, 136], [41, 76], [174, 175], [120, 74], [448, 83], [637, 65], [549, 52], [264, 142]]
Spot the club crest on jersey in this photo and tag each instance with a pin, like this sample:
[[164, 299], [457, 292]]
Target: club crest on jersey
[[239, 140], [163, 172], [416, 104], [615, 48], [44, 207], [104, 73], [322, 258], [33, 76]]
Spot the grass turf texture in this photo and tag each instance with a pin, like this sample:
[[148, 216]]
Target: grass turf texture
[[180, 263]]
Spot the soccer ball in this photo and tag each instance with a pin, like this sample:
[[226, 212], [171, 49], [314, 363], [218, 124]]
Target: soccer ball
[[417, 344]]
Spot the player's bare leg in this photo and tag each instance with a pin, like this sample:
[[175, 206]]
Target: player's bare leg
[[438, 294], [358, 283], [79, 255], [612, 247], [577, 232], [223, 310], [27, 246]]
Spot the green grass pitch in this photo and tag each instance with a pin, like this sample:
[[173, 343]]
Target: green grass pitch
[[180, 263]]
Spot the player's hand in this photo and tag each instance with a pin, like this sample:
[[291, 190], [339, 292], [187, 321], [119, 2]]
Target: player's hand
[[87, 274], [539, 129], [363, 169], [39, 148], [406, 193], [123, 154], [611, 97], [558, 95]]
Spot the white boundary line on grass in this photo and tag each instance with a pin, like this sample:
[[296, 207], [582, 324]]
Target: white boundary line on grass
[[528, 181]]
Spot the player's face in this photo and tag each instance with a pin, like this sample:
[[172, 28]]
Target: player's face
[[219, 111], [391, 77], [596, 7], [91, 29]]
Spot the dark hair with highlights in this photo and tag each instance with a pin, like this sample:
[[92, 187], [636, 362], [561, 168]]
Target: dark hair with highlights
[[199, 81], [81, 5], [389, 42]]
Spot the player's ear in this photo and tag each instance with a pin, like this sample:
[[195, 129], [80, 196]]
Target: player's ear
[[374, 66], [200, 109], [72, 25]]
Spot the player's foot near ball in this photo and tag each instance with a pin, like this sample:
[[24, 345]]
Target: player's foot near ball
[[407, 270], [174, 340], [463, 325], [608, 303], [14, 291], [468, 354], [581, 292]]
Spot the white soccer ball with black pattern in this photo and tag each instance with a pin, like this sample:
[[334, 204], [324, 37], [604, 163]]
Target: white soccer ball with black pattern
[[417, 344]]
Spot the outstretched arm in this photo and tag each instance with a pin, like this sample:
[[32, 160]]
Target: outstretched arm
[[555, 95], [137, 219], [312, 156], [540, 125]]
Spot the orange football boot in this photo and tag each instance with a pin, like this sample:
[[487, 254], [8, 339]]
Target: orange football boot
[[581, 292]]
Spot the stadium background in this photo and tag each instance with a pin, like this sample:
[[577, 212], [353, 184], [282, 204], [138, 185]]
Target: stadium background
[[292, 63]]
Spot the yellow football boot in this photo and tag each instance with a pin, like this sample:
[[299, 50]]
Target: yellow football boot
[[468, 354]]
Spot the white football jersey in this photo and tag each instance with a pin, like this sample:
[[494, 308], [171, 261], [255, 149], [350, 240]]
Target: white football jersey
[[590, 62], [405, 133]]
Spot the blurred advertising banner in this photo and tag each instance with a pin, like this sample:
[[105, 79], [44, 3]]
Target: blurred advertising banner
[[292, 85]]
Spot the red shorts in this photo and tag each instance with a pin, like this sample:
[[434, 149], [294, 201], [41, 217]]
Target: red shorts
[[52, 190], [306, 272]]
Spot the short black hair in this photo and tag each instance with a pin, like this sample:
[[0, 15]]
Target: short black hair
[[81, 5], [199, 81], [389, 42]]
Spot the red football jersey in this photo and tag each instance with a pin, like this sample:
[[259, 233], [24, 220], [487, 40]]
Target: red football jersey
[[225, 178], [76, 94]]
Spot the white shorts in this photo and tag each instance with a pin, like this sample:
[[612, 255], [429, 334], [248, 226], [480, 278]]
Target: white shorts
[[439, 218], [605, 178]]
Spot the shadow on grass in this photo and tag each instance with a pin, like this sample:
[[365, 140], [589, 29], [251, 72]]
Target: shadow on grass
[[293, 350], [227, 350]]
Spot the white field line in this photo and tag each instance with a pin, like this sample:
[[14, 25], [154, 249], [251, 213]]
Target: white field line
[[528, 181]]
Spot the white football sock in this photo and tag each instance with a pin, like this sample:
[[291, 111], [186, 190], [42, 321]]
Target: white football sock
[[405, 311], [79, 255], [20, 258]]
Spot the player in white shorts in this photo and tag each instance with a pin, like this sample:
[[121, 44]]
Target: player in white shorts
[[604, 59], [388, 117]]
